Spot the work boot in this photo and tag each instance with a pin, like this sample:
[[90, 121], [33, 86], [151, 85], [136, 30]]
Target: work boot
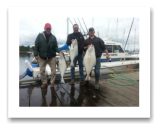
[[82, 81], [52, 85], [97, 83], [72, 82], [44, 85]]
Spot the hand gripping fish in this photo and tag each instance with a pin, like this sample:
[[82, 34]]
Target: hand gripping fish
[[89, 60], [73, 51], [62, 67]]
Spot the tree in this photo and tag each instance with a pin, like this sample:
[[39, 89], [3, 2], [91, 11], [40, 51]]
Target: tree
[[32, 48]]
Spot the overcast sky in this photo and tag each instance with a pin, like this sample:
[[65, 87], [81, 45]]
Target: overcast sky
[[30, 27]]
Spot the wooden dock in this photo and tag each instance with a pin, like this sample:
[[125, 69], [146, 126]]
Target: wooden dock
[[83, 94]]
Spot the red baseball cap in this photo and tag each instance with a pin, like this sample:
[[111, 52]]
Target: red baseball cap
[[47, 25]]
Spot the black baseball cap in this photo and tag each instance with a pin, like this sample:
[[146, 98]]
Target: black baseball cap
[[91, 29]]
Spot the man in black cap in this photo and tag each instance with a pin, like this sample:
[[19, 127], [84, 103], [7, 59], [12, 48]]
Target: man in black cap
[[98, 45], [77, 35]]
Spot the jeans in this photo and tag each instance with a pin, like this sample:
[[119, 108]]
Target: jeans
[[97, 67], [78, 58]]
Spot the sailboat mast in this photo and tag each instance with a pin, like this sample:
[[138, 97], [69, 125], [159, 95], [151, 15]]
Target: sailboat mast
[[129, 33], [134, 39], [67, 26], [116, 29]]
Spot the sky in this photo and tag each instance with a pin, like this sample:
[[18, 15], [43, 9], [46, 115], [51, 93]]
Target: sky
[[24, 16], [114, 28]]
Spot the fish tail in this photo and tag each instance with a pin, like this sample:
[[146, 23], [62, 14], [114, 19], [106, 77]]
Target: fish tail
[[71, 64], [88, 78], [62, 81]]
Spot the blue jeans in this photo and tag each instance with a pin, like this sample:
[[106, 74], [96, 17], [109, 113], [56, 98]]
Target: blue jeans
[[78, 58], [97, 67]]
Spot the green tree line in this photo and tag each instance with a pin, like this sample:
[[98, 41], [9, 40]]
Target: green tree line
[[26, 48]]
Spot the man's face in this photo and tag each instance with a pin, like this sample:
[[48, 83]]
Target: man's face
[[75, 28], [48, 30], [91, 33]]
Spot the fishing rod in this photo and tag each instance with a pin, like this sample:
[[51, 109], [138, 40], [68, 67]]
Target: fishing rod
[[70, 21], [82, 27], [76, 23], [85, 26], [129, 33], [75, 20]]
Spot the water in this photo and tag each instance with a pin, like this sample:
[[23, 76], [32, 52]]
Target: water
[[22, 65]]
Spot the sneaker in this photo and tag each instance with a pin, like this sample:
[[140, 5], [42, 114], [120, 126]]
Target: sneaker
[[52, 85], [44, 85], [72, 82]]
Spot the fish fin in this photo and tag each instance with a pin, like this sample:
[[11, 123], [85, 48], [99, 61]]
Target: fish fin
[[62, 81]]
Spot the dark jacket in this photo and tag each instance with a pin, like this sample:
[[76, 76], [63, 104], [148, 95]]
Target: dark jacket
[[98, 45], [80, 40], [45, 49]]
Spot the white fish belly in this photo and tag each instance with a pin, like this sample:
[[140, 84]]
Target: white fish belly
[[62, 67], [89, 62], [73, 52]]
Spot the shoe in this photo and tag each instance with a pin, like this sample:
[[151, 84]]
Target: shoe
[[72, 82], [97, 83], [52, 85], [44, 85], [82, 81]]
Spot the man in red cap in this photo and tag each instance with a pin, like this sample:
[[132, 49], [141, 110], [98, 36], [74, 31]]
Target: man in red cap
[[45, 52]]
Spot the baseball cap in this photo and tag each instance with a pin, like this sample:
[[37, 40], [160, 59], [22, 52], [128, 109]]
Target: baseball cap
[[47, 25], [91, 29]]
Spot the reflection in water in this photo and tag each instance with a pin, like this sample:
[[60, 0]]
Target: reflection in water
[[62, 96], [81, 98], [44, 93], [53, 98], [72, 93]]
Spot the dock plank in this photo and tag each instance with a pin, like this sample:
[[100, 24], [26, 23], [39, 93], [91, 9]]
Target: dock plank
[[116, 95], [91, 95], [123, 88]]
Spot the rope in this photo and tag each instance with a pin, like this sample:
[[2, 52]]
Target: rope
[[125, 78]]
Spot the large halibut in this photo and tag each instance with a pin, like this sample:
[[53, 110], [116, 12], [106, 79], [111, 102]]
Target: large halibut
[[73, 51], [89, 60], [62, 67]]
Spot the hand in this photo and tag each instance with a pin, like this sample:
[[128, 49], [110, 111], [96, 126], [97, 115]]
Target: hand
[[36, 57], [89, 46], [60, 52], [72, 40], [107, 57]]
